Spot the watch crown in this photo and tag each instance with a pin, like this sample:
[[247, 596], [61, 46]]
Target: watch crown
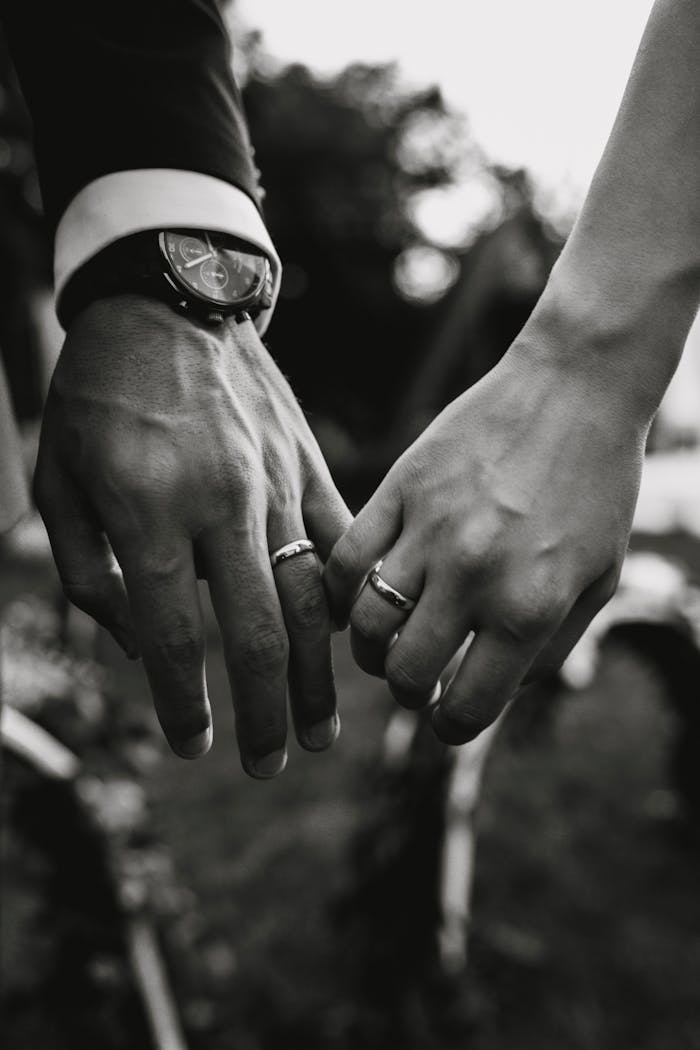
[[266, 295]]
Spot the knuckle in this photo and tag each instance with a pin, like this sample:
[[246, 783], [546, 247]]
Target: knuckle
[[149, 571], [238, 479], [364, 623], [460, 723], [179, 646], [88, 596], [144, 474], [525, 624], [99, 595], [282, 475], [119, 468], [343, 561], [474, 553], [474, 545], [462, 716], [309, 609], [265, 650], [405, 677], [532, 613]]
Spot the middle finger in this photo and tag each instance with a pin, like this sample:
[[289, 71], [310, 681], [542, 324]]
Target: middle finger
[[434, 632], [256, 650], [376, 616]]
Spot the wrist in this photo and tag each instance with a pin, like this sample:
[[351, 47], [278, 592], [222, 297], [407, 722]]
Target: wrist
[[206, 274], [624, 343]]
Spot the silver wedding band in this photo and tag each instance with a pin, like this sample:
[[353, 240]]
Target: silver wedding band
[[290, 550], [389, 593]]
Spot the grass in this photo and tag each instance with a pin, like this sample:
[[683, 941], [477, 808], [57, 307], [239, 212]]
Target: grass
[[587, 900]]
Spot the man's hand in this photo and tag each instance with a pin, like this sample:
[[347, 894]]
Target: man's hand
[[508, 517], [166, 443]]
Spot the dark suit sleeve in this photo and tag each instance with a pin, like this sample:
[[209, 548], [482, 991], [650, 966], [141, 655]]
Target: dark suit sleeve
[[114, 85]]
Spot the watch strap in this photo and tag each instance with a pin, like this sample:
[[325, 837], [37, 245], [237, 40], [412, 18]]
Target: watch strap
[[131, 264], [135, 264]]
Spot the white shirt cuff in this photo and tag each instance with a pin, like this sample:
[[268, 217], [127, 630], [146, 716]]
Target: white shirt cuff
[[126, 202]]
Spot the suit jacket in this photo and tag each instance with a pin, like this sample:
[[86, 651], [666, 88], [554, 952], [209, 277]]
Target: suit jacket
[[116, 85]]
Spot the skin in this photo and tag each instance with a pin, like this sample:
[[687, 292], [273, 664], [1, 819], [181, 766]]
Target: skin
[[510, 516], [169, 450], [521, 548], [167, 446]]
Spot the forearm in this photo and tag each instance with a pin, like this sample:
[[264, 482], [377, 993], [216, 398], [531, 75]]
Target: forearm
[[160, 74], [144, 84], [624, 292]]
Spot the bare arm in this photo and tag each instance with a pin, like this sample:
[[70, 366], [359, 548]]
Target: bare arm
[[510, 516], [628, 280]]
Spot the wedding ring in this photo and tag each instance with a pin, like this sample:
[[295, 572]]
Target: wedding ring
[[389, 593], [290, 550]]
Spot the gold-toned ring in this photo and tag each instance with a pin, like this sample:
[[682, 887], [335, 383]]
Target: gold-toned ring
[[389, 593], [290, 550]]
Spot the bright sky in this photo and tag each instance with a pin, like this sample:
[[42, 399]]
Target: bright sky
[[540, 80]]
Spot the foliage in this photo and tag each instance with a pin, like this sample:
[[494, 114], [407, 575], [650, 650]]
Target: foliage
[[341, 160], [346, 163]]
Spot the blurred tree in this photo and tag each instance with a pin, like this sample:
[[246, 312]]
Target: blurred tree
[[345, 161], [501, 277], [340, 167], [24, 251], [362, 323]]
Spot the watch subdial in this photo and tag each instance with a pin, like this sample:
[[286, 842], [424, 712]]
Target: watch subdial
[[192, 248], [214, 274]]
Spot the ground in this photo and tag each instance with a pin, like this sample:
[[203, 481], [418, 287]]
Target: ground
[[586, 910]]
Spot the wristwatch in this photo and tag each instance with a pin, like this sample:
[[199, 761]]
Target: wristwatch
[[209, 275]]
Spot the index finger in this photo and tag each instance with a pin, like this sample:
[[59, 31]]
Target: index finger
[[487, 679], [369, 537]]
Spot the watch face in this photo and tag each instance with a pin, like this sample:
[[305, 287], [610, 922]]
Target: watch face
[[208, 266]]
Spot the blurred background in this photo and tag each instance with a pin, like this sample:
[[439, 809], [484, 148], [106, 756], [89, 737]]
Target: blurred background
[[423, 166]]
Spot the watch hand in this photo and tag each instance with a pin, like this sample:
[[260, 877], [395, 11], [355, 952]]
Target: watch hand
[[210, 246], [198, 260]]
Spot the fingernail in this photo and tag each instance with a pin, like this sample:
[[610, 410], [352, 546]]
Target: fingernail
[[436, 693], [321, 735], [268, 766], [197, 745]]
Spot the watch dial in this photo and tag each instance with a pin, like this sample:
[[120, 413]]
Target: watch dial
[[212, 269]]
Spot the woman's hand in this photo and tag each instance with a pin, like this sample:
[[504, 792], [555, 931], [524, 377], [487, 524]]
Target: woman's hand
[[508, 517]]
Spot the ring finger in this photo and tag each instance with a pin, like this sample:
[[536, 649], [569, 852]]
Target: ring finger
[[307, 619], [379, 611]]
